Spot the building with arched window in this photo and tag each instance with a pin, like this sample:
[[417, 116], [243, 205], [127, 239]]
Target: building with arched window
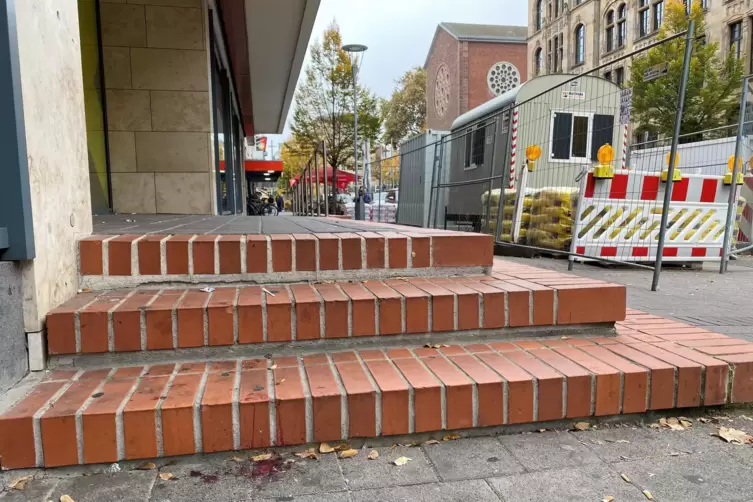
[[469, 64]]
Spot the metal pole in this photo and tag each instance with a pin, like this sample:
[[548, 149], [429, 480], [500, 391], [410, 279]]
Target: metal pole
[[326, 189], [381, 186], [308, 188], [732, 204], [311, 189], [316, 178], [359, 202], [334, 177], [673, 155], [438, 177]]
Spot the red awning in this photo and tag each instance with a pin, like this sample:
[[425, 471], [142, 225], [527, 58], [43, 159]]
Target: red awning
[[258, 166], [343, 177]]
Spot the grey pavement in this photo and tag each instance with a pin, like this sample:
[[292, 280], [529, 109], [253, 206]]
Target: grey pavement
[[508, 465], [285, 223], [612, 459], [701, 298]]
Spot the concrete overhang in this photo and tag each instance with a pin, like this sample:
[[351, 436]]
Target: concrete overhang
[[278, 36], [266, 42]]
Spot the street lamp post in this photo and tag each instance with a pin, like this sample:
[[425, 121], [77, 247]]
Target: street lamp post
[[354, 49]]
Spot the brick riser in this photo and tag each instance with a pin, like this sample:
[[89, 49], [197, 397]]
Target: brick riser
[[106, 262], [138, 320], [166, 410]]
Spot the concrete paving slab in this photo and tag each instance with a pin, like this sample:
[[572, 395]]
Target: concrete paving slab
[[133, 486], [472, 458], [548, 450], [229, 480], [112, 224], [592, 482], [711, 476], [35, 490], [459, 491], [361, 473]]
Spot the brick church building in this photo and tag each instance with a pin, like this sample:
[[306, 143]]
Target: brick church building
[[469, 64]]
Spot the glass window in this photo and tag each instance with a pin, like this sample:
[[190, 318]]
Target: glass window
[[658, 9], [643, 18], [580, 44], [621, 26], [475, 142], [538, 14], [580, 137], [619, 76], [556, 53], [538, 61], [608, 76], [736, 39], [610, 31]]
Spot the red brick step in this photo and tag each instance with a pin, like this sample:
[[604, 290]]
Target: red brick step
[[160, 319], [186, 408], [106, 260]]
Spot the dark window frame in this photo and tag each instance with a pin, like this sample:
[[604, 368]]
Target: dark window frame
[[610, 31], [621, 26], [736, 38]]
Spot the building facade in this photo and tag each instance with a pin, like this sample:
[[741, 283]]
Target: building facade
[[578, 35], [131, 106], [469, 64]]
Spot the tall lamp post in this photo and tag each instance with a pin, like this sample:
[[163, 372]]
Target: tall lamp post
[[353, 50]]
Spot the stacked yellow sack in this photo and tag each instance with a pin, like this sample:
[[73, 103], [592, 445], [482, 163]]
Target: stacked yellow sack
[[508, 209], [552, 213]]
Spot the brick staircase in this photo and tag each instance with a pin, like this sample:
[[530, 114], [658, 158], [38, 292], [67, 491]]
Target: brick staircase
[[303, 338]]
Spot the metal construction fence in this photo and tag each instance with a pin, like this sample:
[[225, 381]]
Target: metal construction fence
[[550, 167]]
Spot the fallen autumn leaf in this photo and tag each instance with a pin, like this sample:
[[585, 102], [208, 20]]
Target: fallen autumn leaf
[[451, 437], [608, 498], [147, 466], [261, 457], [166, 476], [582, 426], [626, 478], [733, 435], [432, 441], [66, 498], [20, 483], [325, 448], [648, 495], [310, 453], [401, 461], [348, 453], [239, 459], [373, 455]]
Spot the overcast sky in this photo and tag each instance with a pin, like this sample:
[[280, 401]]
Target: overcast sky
[[399, 32]]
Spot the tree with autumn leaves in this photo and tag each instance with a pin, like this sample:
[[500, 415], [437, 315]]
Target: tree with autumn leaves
[[324, 104], [404, 114], [712, 99]]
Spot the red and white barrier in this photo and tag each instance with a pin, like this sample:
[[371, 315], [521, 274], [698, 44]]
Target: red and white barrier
[[745, 235], [620, 218], [514, 147]]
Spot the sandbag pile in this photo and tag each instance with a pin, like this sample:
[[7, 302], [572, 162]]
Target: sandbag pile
[[547, 216]]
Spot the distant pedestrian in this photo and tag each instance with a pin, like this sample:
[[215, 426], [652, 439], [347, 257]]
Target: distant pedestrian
[[280, 203]]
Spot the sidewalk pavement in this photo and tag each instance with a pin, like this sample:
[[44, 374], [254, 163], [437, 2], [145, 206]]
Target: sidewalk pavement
[[512, 464]]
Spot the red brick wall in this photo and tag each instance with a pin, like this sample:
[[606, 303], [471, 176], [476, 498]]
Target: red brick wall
[[444, 50], [481, 57]]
